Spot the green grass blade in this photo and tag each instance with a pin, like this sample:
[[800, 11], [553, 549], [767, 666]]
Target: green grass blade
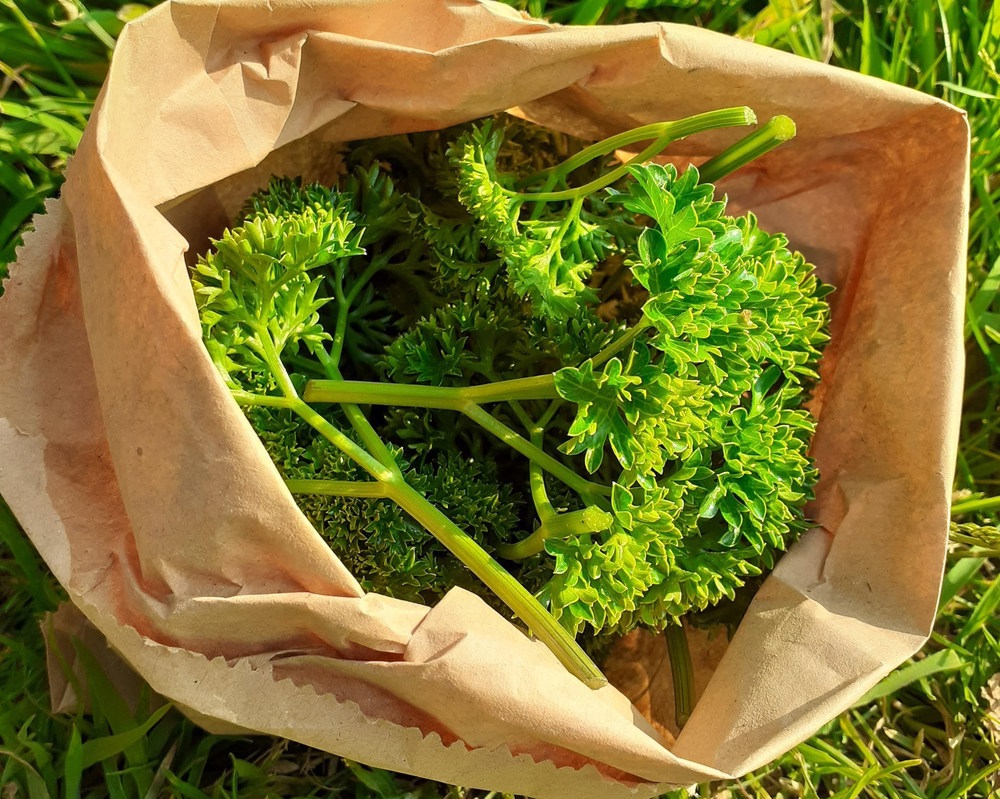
[[980, 776], [947, 84], [97, 749], [958, 577], [15, 182], [984, 612], [27, 564], [14, 220], [39, 41], [589, 12], [990, 40], [108, 703], [870, 61], [875, 775], [937, 663], [114, 784], [67, 130], [160, 777], [36, 785], [985, 293], [73, 766], [183, 788]]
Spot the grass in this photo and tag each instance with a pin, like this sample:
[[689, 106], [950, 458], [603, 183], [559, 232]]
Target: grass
[[53, 61], [929, 731]]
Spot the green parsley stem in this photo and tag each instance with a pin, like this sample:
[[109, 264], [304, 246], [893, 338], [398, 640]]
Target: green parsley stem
[[459, 543], [623, 340], [369, 437], [370, 464], [464, 399], [304, 365], [357, 453], [376, 265], [681, 672], [549, 185], [778, 130], [598, 183], [521, 414], [562, 525], [392, 486], [331, 365], [550, 413], [976, 553], [338, 488], [497, 579], [536, 480], [975, 505], [515, 405], [658, 131], [590, 492], [421, 396], [273, 360], [339, 337], [264, 400], [989, 537]]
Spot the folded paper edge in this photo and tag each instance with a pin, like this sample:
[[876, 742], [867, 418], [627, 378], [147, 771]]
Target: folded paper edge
[[139, 652]]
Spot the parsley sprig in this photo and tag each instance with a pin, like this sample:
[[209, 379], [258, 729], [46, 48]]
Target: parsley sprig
[[666, 447]]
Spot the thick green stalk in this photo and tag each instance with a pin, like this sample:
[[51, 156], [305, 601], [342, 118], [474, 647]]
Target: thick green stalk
[[273, 360], [522, 388], [263, 400], [659, 131], [778, 130], [369, 436], [976, 553], [562, 525], [536, 480], [461, 545], [339, 335], [337, 488], [497, 579], [357, 453], [681, 671], [465, 400], [551, 178], [597, 183], [420, 396], [980, 505], [989, 537], [591, 493]]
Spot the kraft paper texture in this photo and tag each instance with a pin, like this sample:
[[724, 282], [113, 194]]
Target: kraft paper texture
[[147, 493]]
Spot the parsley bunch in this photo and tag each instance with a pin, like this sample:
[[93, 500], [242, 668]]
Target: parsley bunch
[[522, 347]]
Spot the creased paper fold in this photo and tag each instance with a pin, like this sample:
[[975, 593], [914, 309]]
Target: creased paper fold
[[145, 490]]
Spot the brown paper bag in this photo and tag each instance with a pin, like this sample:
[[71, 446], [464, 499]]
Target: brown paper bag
[[148, 495]]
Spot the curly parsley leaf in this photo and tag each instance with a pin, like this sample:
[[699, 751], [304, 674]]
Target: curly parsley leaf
[[546, 258], [259, 288]]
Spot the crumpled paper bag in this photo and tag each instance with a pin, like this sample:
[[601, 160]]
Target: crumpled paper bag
[[146, 492]]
